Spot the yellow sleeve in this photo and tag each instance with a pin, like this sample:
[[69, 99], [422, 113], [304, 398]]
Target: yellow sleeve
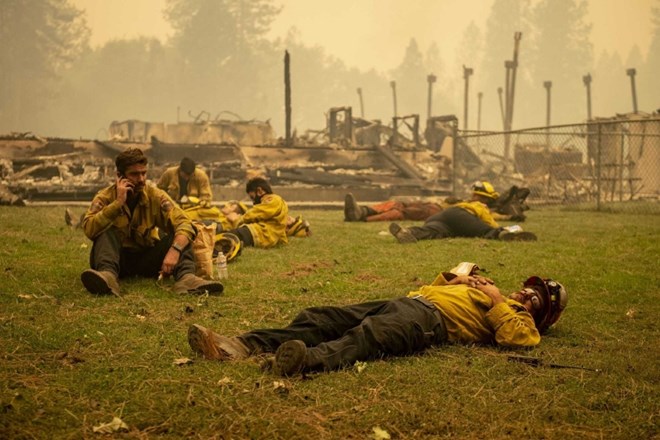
[[181, 223], [484, 214], [164, 181], [205, 193], [101, 214], [269, 208], [512, 328]]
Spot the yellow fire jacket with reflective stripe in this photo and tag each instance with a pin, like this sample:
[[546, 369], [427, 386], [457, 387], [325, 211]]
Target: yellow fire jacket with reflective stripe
[[479, 210], [198, 185], [470, 316], [155, 211], [267, 221]]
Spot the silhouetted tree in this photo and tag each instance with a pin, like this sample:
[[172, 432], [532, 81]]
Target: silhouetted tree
[[40, 38], [220, 43], [609, 88], [649, 81], [124, 79], [506, 18], [562, 53], [410, 77]]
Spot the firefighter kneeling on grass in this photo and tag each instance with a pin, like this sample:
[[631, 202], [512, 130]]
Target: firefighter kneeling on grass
[[138, 230]]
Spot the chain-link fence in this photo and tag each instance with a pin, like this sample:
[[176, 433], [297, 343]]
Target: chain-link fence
[[602, 165]]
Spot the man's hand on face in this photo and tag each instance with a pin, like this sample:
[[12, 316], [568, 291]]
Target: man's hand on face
[[124, 188], [232, 216]]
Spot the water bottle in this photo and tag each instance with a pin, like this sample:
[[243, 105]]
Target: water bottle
[[221, 267]]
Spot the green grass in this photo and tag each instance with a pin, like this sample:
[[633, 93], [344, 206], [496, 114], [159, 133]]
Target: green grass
[[72, 361]]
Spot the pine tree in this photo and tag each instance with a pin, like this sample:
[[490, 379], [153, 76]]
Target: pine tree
[[40, 38], [648, 86], [220, 43], [562, 53], [410, 77], [506, 18]]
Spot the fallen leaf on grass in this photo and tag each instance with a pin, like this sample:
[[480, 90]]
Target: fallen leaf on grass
[[631, 313], [182, 361], [360, 366], [224, 381], [108, 428], [25, 296], [280, 387], [380, 434], [141, 317], [83, 246]]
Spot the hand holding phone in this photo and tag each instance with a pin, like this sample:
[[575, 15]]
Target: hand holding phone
[[124, 188]]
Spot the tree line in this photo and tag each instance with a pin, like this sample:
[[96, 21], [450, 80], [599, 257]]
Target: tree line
[[220, 64]]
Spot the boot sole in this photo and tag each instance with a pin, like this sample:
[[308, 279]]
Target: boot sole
[[290, 358], [95, 283], [213, 289], [201, 343], [401, 234]]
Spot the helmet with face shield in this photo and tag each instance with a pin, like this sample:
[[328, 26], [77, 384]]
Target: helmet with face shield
[[551, 302]]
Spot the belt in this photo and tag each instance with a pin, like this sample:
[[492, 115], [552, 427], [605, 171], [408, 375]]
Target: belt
[[427, 303], [442, 334]]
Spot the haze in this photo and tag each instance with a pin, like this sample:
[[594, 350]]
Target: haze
[[374, 33], [116, 60]]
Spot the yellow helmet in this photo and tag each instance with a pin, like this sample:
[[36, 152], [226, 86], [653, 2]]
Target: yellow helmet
[[229, 244], [485, 189]]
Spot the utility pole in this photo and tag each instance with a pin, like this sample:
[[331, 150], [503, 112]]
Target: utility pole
[[512, 67], [359, 92], [287, 98], [631, 73], [430, 79], [499, 94], [548, 95], [479, 96], [393, 85], [467, 71], [586, 79]]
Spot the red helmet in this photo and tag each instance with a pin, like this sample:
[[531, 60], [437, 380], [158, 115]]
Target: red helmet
[[554, 298]]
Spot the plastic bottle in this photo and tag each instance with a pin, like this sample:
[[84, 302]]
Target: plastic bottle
[[221, 267]]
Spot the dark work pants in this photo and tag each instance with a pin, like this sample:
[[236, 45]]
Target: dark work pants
[[453, 222], [244, 234], [340, 336], [108, 254]]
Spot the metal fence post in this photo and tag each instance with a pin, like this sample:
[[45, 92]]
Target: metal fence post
[[621, 158], [598, 151], [454, 156]]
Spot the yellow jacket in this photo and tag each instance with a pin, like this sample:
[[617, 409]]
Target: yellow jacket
[[267, 221], [198, 185], [470, 317], [479, 210], [155, 211]]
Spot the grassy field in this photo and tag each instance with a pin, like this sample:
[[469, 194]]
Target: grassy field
[[72, 361]]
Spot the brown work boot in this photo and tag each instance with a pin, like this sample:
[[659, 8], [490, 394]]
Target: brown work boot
[[352, 211], [213, 346], [193, 284], [101, 282], [290, 358], [402, 235]]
